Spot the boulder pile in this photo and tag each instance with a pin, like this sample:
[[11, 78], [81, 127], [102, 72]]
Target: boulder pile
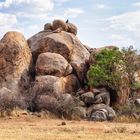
[[49, 65]]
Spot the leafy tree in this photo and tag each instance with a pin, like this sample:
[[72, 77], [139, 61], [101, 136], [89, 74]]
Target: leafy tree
[[105, 72], [115, 69], [132, 65]]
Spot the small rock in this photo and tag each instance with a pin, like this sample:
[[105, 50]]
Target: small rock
[[137, 102], [63, 123], [87, 98]]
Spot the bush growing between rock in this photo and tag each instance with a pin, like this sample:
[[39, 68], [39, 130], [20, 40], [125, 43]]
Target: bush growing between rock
[[104, 72]]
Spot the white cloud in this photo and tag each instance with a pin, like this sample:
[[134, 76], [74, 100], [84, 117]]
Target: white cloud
[[28, 8], [101, 6], [37, 4], [116, 37], [62, 1], [124, 29], [33, 27], [137, 4], [121, 40], [73, 12], [129, 21], [7, 22], [27, 16], [6, 19]]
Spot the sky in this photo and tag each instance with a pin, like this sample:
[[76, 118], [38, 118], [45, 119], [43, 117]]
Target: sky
[[100, 22]]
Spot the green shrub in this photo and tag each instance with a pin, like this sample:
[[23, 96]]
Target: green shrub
[[107, 70], [115, 69]]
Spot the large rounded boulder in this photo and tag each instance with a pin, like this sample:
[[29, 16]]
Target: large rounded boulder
[[52, 64], [15, 59]]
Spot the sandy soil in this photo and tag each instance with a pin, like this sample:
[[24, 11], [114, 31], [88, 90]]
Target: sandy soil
[[34, 128]]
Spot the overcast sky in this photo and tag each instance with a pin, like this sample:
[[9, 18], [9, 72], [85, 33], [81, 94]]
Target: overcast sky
[[100, 22]]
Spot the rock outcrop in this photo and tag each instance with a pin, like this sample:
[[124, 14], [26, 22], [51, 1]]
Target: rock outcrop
[[61, 62], [15, 60]]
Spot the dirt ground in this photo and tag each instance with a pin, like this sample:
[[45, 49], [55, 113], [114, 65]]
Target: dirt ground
[[35, 128]]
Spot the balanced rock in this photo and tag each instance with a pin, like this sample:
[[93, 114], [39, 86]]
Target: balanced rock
[[72, 28], [59, 24], [15, 59], [52, 64]]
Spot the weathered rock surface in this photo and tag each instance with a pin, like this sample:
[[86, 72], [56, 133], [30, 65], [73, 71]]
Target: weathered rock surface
[[45, 102], [8, 100], [72, 28], [48, 85], [52, 64], [71, 83], [5, 92], [15, 59], [48, 27], [55, 86]]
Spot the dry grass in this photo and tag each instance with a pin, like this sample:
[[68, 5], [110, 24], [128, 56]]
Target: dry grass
[[27, 127]]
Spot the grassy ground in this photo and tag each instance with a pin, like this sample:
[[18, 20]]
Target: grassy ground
[[33, 128]]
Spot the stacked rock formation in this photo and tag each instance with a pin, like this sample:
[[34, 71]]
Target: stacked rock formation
[[61, 60], [59, 67]]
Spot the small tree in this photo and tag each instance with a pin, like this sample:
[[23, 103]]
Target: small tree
[[132, 65]]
